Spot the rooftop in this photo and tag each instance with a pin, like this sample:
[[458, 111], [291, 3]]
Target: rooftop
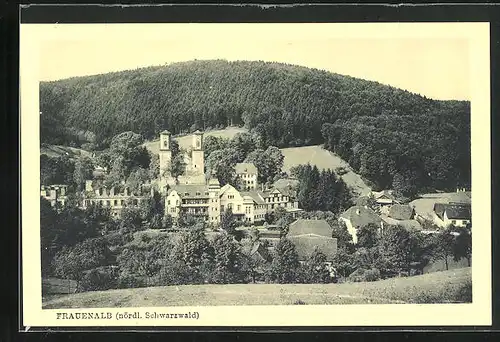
[[306, 244], [361, 216], [453, 211], [401, 212], [190, 190], [317, 227], [245, 168]]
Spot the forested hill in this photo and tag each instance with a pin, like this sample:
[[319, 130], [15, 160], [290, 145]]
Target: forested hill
[[378, 129]]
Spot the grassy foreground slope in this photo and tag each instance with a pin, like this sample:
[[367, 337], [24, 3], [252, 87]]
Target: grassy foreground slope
[[439, 287]]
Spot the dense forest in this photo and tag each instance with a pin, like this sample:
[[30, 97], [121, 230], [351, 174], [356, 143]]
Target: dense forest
[[390, 136]]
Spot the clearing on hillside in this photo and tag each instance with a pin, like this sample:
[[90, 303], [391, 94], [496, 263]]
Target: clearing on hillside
[[323, 159], [59, 151], [453, 286]]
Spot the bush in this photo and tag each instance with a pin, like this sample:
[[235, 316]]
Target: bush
[[341, 171], [362, 275], [99, 279], [130, 281], [299, 302]]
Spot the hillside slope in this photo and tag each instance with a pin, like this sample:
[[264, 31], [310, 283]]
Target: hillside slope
[[438, 287], [380, 130]]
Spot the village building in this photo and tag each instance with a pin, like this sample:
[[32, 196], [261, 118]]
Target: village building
[[246, 174], [211, 201], [55, 194], [194, 199], [115, 198], [310, 235], [359, 216], [458, 215]]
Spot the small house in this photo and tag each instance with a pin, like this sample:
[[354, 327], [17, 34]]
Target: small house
[[359, 216], [458, 215]]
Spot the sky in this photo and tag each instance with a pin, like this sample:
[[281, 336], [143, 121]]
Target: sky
[[418, 60]]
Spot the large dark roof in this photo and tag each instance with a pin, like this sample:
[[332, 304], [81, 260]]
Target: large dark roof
[[453, 211], [317, 227], [305, 245], [190, 189]]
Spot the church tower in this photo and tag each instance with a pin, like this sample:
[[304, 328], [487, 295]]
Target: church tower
[[165, 151], [198, 158]]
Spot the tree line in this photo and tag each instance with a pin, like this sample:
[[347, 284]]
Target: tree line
[[382, 131]]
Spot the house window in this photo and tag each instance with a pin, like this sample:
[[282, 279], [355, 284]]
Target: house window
[[108, 203], [186, 194], [115, 202], [198, 193], [454, 222], [239, 207], [168, 202], [206, 194]]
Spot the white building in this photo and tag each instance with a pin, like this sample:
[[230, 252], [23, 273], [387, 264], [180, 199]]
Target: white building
[[247, 176]]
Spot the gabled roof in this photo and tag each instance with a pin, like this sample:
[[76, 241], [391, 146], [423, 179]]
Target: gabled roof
[[190, 190], [197, 132], [384, 194], [360, 216], [287, 186], [245, 168], [459, 198], [254, 195], [165, 132], [401, 212], [317, 227], [458, 212], [453, 211], [306, 244]]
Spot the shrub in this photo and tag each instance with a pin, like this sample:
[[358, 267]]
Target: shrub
[[362, 275], [299, 302], [129, 281], [100, 279]]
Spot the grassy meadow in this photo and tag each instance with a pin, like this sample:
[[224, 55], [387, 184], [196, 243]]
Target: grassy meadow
[[454, 286]]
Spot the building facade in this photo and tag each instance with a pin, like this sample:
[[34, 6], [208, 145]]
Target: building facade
[[55, 194], [111, 198], [210, 201], [246, 174]]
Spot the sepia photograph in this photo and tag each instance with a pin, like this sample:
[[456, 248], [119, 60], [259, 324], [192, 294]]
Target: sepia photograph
[[254, 165]]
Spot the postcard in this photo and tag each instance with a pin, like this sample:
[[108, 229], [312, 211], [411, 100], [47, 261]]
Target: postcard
[[203, 174]]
